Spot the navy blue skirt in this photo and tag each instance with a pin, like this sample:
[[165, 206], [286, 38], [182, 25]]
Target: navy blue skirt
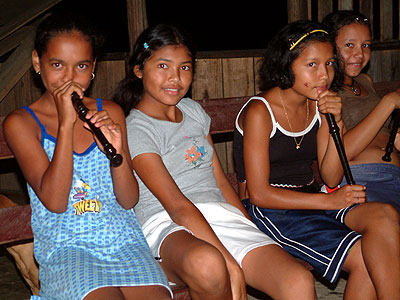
[[318, 237]]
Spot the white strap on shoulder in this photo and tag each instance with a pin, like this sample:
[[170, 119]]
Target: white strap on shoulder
[[270, 112]]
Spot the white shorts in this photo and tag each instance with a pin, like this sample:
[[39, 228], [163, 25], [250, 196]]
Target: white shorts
[[238, 234]]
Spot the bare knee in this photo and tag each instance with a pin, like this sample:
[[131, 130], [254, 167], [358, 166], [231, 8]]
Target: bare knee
[[275, 272], [299, 278], [376, 216], [205, 267], [388, 211], [387, 216]]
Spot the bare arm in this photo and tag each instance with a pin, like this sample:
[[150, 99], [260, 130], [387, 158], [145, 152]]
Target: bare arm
[[182, 211], [257, 126], [154, 174], [51, 181], [329, 163], [360, 136], [223, 183], [114, 128]]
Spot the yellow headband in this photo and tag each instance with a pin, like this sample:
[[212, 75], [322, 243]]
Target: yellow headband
[[304, 36]]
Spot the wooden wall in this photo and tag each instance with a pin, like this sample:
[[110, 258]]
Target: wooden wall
[[218, 75], [383, 14], [225, 74]]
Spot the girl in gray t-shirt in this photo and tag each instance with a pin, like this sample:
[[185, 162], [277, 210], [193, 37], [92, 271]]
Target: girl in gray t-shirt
[[190, 215]]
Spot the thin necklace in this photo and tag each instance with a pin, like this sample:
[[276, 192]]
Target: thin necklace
[[290, 126], [353, 88]]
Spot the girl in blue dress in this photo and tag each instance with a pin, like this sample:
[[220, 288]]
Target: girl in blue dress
[[87, 240]]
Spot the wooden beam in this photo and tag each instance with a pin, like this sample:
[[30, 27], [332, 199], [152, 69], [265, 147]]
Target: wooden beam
[[16, 14], [137, 19], [16, 65], [386, 10], [345, 4], [366, 8], [324, 8], [298, 10], [14, 40]]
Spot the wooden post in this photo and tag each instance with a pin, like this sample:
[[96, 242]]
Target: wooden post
[[298, 10], [345, 4], [386, 9], [324, 8], [366, 8], [137, 19]]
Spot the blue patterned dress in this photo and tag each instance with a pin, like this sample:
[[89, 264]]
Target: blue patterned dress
[[95, 242]]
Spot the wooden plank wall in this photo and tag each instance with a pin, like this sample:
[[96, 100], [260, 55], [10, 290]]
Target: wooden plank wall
[[381, 13], [232, 73], [214, 78], [225, 77]]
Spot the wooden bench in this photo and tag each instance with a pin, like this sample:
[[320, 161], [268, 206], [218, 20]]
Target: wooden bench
[[15, 220]]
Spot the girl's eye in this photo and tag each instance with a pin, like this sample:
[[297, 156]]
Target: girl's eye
[[162, 66], [56, 65], [330, 63], [349, 45], [366, 45], [186, 68], [313, 64], [82, 67]]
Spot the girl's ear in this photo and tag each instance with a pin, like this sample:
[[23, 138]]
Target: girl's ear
[[137, 71], [94, 66], [35, 61]]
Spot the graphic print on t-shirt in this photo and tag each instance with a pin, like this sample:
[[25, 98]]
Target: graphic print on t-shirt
[[195, 154]]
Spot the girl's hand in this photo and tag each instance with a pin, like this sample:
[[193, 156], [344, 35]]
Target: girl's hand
[[330, 102], [397, 142], [394, 97], [62, 98], [348, 195], [111, 130], [238, 284]]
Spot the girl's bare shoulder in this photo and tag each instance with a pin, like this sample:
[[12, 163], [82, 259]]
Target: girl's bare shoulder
[[258, 106], [19, 118], [20, 129], [113, 109], [106, 104]]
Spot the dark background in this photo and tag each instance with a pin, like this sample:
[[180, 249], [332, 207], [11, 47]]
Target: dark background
[[214, 25]]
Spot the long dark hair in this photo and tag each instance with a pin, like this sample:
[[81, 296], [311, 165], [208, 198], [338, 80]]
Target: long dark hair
[[276, 67], [336, 20], [66, 22], [130, 90]]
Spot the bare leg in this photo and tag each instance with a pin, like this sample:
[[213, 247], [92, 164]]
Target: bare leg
[[129, 293], [196, 263], [380, 245], [106, 293], [275, 272], [146, 292], [359, 285]]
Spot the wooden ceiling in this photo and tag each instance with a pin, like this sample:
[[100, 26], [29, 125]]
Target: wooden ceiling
[[18, 22]]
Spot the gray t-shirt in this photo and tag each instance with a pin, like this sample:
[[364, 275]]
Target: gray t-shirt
[[183, 148]]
